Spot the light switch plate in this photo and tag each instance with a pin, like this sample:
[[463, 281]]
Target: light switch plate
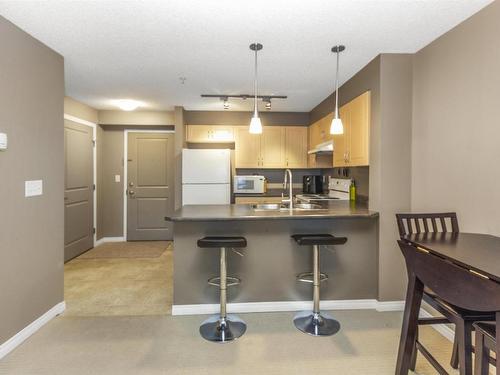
[[33, 188], [117, 178], [3, 141]]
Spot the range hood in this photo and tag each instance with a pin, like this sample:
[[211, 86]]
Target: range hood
[[322, 148]]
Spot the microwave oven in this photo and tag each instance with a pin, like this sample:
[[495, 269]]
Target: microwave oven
[[249, 184]]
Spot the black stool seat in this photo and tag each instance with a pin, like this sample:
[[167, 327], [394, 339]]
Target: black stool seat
[[222, 242], [318, 239]]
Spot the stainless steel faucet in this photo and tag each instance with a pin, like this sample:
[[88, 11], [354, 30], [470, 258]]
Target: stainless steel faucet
[[288, 173]]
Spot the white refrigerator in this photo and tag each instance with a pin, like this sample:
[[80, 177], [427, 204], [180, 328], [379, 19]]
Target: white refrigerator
[[206, 176]]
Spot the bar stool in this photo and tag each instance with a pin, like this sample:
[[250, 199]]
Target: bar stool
[[222, 327], [314, 322]]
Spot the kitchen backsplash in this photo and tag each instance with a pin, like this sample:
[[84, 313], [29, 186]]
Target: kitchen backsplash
[[277, 175]]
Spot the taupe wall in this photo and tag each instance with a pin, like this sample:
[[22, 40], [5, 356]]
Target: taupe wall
[[456, 124], [82, 111], [31, 229], [136, 118], [243, 118], [389, 78]]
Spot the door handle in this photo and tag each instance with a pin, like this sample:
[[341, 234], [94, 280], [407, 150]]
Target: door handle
[[131, 192], [130, 184]]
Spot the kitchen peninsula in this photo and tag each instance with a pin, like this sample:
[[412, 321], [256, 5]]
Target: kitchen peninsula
[[272, 259]]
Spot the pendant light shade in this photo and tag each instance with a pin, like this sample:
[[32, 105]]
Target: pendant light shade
[[337, 127], [255, 123]]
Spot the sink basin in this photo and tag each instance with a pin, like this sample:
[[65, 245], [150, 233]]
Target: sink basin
[[306, 206], [282, 207], [268, 207]]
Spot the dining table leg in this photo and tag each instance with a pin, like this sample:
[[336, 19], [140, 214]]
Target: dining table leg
[[410, 324]]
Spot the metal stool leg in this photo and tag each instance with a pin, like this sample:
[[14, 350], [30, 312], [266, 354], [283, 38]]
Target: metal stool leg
[[314, 322], [222, 328]]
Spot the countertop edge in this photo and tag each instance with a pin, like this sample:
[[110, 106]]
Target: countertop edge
[[371, 215]]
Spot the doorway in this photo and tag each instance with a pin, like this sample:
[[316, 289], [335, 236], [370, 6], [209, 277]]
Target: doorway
[[149, 185], [79, 187]]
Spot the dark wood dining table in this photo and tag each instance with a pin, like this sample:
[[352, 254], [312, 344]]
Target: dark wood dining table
[[477, 253]]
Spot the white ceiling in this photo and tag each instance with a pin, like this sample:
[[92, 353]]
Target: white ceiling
[[139, 49]]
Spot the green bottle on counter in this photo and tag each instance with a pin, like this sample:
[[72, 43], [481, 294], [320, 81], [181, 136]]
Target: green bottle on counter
[[352, 191]]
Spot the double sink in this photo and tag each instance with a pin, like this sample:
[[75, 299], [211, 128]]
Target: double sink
[[285, 207]]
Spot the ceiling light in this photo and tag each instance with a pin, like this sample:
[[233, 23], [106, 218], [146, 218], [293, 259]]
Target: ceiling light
[[337, 127], [127, 104], [255, 123]]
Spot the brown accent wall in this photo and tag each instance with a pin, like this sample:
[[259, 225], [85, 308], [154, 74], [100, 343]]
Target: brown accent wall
[[243, 118], [456, 123], [389, 78], [31, 229], [136, 118]]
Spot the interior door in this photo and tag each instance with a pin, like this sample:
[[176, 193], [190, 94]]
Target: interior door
[[150, 187], [78, 189]]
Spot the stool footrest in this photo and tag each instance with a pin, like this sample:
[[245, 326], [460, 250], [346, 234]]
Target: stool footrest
[[230, 281], [308, 277]]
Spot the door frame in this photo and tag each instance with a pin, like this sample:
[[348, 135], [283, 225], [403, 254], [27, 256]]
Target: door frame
[[125, 169], [94, 168]]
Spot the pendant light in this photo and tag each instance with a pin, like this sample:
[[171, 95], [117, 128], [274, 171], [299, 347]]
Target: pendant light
[[255, 124], [337, 127]]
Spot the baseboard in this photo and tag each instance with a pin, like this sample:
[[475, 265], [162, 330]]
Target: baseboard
[[109, 239], [390, 306], [34, 326], [248, 307]]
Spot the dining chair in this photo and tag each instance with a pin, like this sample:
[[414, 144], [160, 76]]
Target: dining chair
[[422, 223], [486, 341], [454, 285]]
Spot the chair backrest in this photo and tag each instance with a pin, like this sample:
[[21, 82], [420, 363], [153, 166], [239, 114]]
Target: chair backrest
[[452, 283], [427, 223]]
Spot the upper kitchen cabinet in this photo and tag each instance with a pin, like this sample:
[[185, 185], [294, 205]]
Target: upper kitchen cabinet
[[209, 134], [276, 147], [296, 146], [319, 132], [352, 149], [247, 148], [272, 147]]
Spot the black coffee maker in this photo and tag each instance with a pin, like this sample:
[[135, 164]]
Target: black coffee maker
[[312, 184]]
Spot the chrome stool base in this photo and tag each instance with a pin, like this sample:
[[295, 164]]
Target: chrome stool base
[[316, 324], [215, 330]]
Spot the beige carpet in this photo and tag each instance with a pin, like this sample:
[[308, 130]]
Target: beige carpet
[[136, 249], [154, 345], [105, 286]]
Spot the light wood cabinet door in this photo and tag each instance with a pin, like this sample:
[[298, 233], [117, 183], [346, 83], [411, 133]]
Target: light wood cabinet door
[[272, 147], [210, 133], [247, 148], [296, 146], [198, 133], [341, 141], [358, 153]]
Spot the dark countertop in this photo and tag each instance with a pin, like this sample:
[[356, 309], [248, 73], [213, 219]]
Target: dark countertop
[[231, 212]]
